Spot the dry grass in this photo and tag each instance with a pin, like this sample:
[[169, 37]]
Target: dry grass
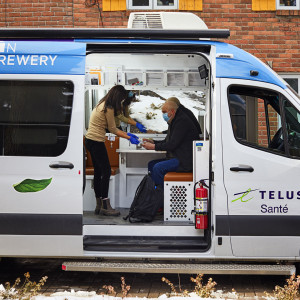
[[24, 292], [289, 291], [124, 288], [202, 290]]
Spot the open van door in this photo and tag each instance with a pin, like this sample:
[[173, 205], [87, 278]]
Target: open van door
[[41, 130], [261, 161]]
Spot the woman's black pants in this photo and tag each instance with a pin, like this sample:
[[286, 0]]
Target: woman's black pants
[[102, 170]]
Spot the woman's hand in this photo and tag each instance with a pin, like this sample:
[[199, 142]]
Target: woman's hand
[[134, 141], [141, 127], [131, 134], [133, 138]]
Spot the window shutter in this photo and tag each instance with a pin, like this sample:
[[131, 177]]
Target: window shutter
[[190, 4], [263, 4], [113, 5]]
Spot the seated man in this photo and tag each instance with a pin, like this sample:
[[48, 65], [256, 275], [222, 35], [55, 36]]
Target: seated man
[[178, 144], [188, 112]]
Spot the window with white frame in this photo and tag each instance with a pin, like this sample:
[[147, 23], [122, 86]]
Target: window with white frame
[[153, 4], [293, 80], [288, 4]]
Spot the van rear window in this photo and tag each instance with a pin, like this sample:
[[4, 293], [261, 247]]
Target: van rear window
[[35, 117]]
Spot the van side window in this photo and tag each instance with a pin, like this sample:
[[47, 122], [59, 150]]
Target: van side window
[[35, 117], [292, 119], [256, 117]]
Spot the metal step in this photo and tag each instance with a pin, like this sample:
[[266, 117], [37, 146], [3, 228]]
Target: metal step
[[142, 267]]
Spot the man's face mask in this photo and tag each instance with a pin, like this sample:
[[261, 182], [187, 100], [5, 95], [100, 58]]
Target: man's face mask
[[166, 117]]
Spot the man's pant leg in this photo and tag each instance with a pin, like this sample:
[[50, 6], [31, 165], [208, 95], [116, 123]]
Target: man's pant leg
[[152, 163], [160, 169]]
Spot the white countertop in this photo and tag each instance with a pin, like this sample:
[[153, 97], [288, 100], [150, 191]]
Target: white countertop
[[142, 151]]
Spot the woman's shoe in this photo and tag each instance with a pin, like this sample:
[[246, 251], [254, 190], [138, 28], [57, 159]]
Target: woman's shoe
[[98, 206], [106, 208]]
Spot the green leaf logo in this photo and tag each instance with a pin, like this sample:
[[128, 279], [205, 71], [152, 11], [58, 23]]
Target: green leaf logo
[[31, 185]]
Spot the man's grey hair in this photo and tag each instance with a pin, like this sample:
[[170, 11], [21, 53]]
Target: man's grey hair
[[174, 99], [172, 104]]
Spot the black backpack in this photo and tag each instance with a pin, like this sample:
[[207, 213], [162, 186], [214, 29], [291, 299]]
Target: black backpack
[[147, 200]]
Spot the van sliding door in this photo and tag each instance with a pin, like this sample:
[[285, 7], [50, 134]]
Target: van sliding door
[[41, 133]]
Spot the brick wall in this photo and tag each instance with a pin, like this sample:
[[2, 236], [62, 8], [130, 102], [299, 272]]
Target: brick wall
[[262, 134], [272, 36]]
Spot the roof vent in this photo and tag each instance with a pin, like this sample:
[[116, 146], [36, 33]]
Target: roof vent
[[145, 20], [165, 20]]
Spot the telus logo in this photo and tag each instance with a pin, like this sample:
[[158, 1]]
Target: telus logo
[[267, 195], [243, 196]]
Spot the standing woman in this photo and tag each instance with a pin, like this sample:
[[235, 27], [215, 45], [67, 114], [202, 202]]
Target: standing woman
[[102, 118]]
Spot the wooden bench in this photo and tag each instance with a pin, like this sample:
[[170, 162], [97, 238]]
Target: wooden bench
[[113, 157], [174, 176]]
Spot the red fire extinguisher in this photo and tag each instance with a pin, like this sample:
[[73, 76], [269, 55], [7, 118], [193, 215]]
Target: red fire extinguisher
[[201, 199]]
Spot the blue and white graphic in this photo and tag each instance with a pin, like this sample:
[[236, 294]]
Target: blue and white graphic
[[42, 58]]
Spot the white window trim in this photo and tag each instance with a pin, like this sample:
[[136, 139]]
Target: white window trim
[[130, 5], [279, 7], [292, 75], [156, 6], [153, 6]]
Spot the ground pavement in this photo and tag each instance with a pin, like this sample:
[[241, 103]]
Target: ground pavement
[[142, 285]]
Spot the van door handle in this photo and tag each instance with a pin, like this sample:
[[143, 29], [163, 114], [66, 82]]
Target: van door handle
[[242, 169], [61, 165]]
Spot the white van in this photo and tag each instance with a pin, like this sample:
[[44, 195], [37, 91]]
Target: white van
[[249, 153]]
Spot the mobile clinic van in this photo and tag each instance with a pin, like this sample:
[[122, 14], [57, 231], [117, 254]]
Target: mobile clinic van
[[249, 153]]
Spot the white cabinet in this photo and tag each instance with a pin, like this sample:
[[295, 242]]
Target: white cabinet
[[134, 166]]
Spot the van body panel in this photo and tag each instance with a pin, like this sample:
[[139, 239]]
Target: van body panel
[[66, 184], [42, 194], [265, 201], [240, 65], [283, 247], [40, 246]]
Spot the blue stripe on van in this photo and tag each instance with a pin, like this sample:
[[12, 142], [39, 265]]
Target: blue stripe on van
[[42, 57]]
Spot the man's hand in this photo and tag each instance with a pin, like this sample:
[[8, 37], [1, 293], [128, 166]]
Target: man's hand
[[148, 146], [148, 141]]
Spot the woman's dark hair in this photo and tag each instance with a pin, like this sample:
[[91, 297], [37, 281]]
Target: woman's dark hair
[[130, 97], [113, 99]]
